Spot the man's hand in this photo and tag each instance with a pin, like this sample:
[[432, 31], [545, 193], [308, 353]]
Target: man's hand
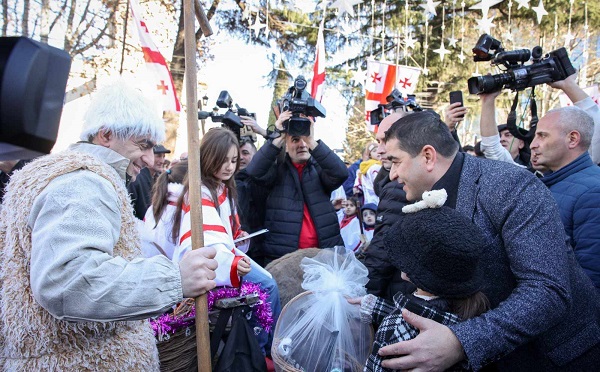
[[197, 268], [436, 348], [243, 267], [562, 84], [310, 139], [570, 88], [286, 115], [454, 114], [249, 121]]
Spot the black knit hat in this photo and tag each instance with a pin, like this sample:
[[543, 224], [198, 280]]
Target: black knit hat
[[439, 250]]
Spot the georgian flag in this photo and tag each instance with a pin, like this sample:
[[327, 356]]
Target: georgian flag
[[319, 68], [382, 78], [155, 62]]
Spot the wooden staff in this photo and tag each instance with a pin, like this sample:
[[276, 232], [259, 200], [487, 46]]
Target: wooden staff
[[194, 171]]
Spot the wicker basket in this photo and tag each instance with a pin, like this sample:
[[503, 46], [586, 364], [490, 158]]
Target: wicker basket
[[177, 351]]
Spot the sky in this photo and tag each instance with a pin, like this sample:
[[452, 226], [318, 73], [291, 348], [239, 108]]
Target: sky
[[241, 70]]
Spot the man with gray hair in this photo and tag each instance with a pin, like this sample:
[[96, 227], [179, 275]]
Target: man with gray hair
[[74, 292], [560, 150]]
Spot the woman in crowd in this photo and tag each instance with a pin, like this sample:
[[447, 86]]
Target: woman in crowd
[[219, 160]]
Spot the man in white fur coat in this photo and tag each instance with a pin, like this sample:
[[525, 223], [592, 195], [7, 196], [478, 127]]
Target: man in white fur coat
[[74, 292]]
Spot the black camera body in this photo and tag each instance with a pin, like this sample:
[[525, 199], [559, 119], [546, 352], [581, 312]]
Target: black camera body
[[300, 102], [231, 118], [395, 101], [555, 66]]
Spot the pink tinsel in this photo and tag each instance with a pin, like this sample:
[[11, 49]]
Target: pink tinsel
[[261, 311]]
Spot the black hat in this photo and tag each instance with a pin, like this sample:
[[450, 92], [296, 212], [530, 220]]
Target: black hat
[[160, 149], [439, 250]]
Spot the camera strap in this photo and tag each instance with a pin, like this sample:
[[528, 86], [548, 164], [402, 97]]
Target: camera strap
[[511, 122]]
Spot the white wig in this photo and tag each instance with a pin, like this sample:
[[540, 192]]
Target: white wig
[[124, 111]]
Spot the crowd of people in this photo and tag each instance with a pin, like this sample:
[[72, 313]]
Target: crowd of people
[[478, 257]]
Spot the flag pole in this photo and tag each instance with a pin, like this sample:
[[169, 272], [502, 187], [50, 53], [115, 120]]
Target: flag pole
[[194, 177]]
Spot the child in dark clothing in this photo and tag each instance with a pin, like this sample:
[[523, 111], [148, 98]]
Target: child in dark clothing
[[438, 250]]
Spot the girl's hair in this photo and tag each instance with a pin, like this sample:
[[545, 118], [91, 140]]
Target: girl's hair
[[469, 307], [176, 174], [354, 201], [214, 148]]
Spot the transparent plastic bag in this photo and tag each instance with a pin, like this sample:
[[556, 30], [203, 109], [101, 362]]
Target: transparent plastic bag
[[319, 330]]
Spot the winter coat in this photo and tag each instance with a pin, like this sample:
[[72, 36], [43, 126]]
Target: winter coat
[[576, 189], [324, 172], [545, 310], [384, 278]]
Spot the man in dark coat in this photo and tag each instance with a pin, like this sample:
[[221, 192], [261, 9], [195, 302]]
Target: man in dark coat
[[384, 280], [298, 210], [250, 201], [545, 311], [141, 188]]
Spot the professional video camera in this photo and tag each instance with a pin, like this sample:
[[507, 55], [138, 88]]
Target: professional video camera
[[395, 101], [231, 118], [33, 78], [299, 101], [554, 66]]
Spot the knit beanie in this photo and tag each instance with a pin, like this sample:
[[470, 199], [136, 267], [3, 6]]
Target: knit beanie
[[438, 248]]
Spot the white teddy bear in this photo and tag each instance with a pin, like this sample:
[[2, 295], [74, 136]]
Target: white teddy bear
[[431, 199]]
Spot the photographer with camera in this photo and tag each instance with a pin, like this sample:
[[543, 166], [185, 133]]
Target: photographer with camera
[[497, 142], [298, 212]]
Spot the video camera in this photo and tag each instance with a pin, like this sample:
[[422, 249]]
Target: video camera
[[33, 78], [555, 66], [299, 101], [230, 119], [395, 101]]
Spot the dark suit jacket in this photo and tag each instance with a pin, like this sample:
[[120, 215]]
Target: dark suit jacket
[[546, 312]]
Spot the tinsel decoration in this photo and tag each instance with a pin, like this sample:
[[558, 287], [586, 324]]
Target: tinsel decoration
[[184, 314]]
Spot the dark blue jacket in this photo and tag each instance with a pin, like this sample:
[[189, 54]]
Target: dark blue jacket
[[323, 173], [545, 310], [576, 189]]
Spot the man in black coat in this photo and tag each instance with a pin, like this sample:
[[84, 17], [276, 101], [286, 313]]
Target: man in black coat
[[384, 279], [141, 188], [298, 210]]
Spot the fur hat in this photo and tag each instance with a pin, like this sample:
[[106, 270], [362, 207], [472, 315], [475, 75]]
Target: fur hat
[[124, 111], [439, 249]]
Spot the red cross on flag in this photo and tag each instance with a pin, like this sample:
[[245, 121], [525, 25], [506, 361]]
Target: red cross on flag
[[155, 62], [319, 69], [382, 78], [406, 79]]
